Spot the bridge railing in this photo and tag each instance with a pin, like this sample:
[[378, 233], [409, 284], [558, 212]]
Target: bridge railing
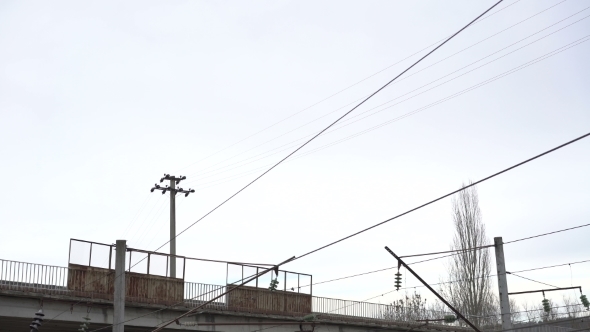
[[53, 280], [359, 309], [21, 276], [196, 294]]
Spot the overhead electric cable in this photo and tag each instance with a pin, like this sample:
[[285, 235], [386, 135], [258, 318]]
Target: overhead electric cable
[[491, 245], [358, 82], [406, 77], [403, 116], [393, 267], [449, 251], [559, 231], [552, 266], [332, 124], [132, 222], [447, 195]]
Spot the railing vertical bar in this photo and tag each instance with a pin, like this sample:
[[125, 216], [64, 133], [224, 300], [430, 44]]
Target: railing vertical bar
[[90, 255]]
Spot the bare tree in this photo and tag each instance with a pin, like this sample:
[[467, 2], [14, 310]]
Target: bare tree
[[572, 307], [532, 312], [472, 293], [515, 311]]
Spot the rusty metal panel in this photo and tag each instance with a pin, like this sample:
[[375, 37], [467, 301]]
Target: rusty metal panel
[[88, 281], [153, 289], [266, 301]]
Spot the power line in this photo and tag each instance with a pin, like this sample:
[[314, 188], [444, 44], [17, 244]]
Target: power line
[[552, 266], [446, 195], [147, 197], [406, 77], [358, 82], [401, 117], [477, 248], [333, 123], [490, 245], [559, 231], [454, 251], [445, 282]]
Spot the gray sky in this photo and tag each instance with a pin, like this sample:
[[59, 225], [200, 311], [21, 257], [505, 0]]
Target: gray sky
[[99, 99]]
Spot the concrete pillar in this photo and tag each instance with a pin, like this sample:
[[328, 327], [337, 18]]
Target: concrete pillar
[[172, 229], [502, 284], [119, 297]]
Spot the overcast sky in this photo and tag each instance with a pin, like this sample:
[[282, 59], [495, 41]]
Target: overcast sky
[[99, 99]]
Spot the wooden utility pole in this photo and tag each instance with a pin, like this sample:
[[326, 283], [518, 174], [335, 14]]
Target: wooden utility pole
[[173, 191]]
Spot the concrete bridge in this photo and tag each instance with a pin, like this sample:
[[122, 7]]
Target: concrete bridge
[[66, 313], [68, 295]]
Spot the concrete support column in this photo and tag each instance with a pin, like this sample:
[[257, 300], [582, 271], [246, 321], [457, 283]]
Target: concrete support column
[[119, 297], [172, 229], [502, 284]]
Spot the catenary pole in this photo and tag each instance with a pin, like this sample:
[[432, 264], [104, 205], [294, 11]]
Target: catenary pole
[[502, 284], [119, 296]]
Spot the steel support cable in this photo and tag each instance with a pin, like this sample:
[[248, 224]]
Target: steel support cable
[[290, 144], [393, 267], [459, 251], [561, 230], [552, 266], [332, 124], [358, 82], [446, 195], [403, 116], [542, 283]]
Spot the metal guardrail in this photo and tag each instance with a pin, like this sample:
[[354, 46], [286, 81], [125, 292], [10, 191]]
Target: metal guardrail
[[53, 280], [156, 263], [30, 277], [196, 294], [387, 312]]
